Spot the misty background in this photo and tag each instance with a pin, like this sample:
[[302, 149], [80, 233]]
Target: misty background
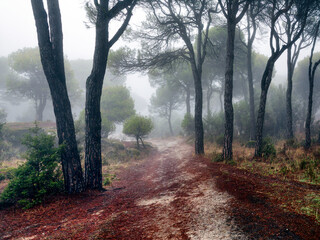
[[18, 31]]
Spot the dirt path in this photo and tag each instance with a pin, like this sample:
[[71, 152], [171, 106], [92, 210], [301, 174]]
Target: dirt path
[[168, 196]]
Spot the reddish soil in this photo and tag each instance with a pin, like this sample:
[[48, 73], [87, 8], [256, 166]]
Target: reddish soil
[[169, 195]]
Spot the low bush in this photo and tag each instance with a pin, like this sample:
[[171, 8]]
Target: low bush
[[40, 176], [220, 140], [251, 144], [268, 148], [187, 124]]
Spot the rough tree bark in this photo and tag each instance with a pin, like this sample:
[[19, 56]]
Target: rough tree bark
[[51, 52], [290, 70], [93, 160], [230, 11]]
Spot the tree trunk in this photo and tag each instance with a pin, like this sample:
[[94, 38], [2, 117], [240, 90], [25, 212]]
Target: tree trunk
[[228, 107], [309, 114], [137, 139], [199, 144], [251, 37], [209, 95], [40, 108], [265, 83], [51, 53], [221, 101], [188, 100], [93, 161], [142, 142], [251, 93], [245, 90], [290, 69]]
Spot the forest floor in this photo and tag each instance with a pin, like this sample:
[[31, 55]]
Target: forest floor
[[171, 194]]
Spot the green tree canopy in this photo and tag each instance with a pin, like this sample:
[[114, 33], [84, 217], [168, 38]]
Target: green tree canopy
[[82, 69], [117, 104], [27, 80], [138, 127], [166, 99]]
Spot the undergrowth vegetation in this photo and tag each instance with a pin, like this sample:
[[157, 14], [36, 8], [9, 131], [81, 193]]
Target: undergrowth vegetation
[[286, 161], [40, 176]]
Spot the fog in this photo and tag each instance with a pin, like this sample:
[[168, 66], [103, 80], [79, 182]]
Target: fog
[[18, 30]]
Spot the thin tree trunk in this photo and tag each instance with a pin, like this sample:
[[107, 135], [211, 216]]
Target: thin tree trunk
[[309, 114], [245, 89], [251, 36], [311, 73], [142, 142], [221, 101], [40, 108], [228, 134], [51, 53], [188, 105], [209, 95], [251, 93], [138, 145], [290, 69], [93, 161]]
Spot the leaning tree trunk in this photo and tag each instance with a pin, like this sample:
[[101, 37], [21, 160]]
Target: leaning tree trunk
[[265, 83], [228, 107], [51, 53], [93, 161]]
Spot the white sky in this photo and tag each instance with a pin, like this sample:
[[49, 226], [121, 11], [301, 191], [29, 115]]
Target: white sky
[[17, 30]]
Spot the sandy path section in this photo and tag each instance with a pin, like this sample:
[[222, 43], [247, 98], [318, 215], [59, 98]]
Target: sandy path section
[[186, 203]]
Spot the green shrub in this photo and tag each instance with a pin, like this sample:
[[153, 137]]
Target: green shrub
[[251, 144], [8, 172], [108, 178], [2, 177], [220, 140], [39, 176], [187, 124], [303, 164], [268, 149], [292, 143], [217, 157], [138, 127]]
